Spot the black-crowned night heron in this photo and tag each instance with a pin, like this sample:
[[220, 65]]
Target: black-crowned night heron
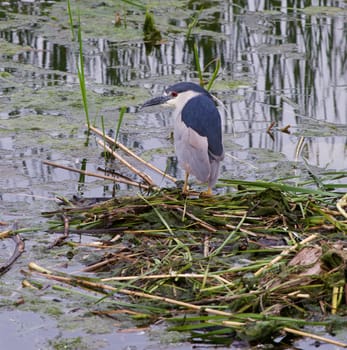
[[197, 133]]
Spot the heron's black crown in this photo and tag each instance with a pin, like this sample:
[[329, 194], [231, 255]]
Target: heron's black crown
[[186, 86]]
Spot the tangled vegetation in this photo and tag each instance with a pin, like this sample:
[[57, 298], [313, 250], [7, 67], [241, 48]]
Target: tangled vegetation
[[258, 261]]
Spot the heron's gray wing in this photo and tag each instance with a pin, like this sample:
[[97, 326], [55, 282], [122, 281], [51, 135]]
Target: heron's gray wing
[[192, 151]]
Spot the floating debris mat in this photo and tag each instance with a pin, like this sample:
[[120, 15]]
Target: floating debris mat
[[264, 261]]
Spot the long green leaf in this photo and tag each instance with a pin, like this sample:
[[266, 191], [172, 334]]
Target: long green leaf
[[198, 66], [81, 76], [135, 3], [214, 75], [119, 122], [282, 187], [69, 11]]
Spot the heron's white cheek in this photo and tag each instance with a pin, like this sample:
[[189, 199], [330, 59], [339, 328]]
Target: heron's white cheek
[[170, 103]]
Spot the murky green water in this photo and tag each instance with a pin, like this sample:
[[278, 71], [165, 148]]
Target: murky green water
[[281, 61]]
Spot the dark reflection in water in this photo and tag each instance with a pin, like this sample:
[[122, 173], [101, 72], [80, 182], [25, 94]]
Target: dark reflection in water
[[296, 61], [37, 8], [39, 52]]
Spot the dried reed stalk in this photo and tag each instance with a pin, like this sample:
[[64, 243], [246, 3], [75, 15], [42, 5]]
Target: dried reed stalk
[[100, 176], [139, 173], [75, 281], [341, 203], [130, 153], [284, 253]]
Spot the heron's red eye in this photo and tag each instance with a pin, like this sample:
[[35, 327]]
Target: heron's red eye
[[174, 93]]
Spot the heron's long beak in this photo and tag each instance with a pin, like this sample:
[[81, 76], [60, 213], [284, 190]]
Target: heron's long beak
[[156, 101]]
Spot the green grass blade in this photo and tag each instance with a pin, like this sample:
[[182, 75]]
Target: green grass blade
[[69, 11], [230, 237], [162, 219], [198, 66], [119, 123], [81, 76], [192, 25], [214, 75], [135, 3], [279, 186]]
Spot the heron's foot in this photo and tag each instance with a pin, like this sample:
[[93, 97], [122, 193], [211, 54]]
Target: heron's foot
[[207, 193], [185, 190]]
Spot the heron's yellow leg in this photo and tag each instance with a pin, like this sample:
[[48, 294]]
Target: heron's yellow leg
[[207, 193], [185, 186]]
